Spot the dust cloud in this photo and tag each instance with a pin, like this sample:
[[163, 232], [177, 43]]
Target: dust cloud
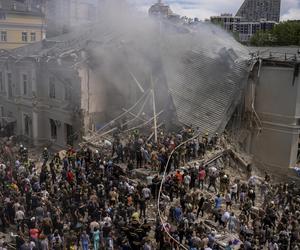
[[194, 68]]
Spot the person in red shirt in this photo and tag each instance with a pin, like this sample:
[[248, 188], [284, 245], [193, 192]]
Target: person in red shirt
[[179, 177], [201, 177], [34, 233], [70, 177]]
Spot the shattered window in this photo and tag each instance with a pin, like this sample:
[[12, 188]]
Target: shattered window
[[1, 111], [1, 83], [52, 88], [9, 85], [53, 129], [25, 84], [26, 124], [68, 95]]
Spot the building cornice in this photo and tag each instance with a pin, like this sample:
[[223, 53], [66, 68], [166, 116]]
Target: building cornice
[[7, 25]]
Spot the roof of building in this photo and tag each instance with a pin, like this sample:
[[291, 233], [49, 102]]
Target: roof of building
[[19, 6], [202, 68]]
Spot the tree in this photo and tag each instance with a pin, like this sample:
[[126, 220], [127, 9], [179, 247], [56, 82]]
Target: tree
[[262, 38], [287, 33], [283, 34]]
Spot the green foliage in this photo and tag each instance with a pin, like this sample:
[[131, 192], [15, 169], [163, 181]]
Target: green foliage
[[261, 38], [283, 34]]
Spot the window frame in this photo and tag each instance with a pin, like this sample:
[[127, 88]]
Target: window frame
[[3, 34], [2, 111], [53, 129], [9, 82], [24, 90], [26, 130], [67, 94], [24, 36], [52, 88], [2, 83], [32, 34]]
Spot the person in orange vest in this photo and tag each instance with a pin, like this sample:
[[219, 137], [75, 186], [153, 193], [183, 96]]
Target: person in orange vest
[[179, 177]]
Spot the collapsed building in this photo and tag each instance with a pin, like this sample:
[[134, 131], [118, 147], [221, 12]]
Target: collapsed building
[[68, 88]]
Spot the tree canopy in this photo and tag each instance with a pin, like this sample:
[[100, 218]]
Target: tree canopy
[[283, 34]]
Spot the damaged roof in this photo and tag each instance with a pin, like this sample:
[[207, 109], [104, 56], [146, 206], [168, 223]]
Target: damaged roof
[[202, 69]]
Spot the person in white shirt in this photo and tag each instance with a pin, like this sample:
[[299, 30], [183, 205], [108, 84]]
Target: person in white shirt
[[273, 246], [93, 225], [146, 193], [107, 220], [233, 192], [187, 181], [225, 217]]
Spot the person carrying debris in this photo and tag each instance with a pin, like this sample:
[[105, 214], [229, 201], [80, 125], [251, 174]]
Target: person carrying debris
[[213, 174]]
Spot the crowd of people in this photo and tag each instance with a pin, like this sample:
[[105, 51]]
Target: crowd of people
[[89, 199]]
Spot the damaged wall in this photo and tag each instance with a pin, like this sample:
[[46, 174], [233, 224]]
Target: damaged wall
[[277, 101], [26, 98], [93, 98]]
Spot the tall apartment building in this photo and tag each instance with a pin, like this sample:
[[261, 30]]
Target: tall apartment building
[[247, 29], [227, 21], [255, 10], [243, 29], [253, 16]]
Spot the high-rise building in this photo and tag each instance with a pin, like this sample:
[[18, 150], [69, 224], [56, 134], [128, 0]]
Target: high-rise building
[[255, 10], [242, 29], [226, 21]]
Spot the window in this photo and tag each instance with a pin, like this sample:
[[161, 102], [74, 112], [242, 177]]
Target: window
[[68, 95], [9, 85], [2, 89], [69, 132], [1, 111], [52, 88], [53, 129], [2, 16], [32, 37], [3, 36], [24, 37], [25, 84], [26, 124]]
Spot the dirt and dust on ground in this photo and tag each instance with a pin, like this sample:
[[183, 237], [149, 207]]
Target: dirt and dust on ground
[[235, 167]]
